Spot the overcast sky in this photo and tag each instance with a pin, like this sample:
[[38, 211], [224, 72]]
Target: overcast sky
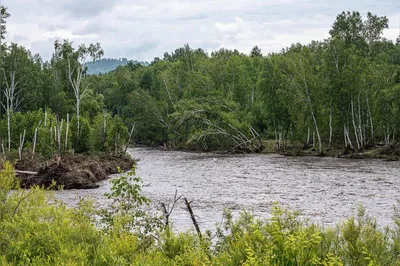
[[144, 29]]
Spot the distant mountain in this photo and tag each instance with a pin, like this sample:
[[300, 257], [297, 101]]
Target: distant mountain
[[106, 65]]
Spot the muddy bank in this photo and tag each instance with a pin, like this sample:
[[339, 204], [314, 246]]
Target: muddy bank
[[72, 171], [389, 152], [297, 149]]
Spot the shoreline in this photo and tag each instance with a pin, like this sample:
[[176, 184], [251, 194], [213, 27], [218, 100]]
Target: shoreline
[[78, 171], [388, 153]]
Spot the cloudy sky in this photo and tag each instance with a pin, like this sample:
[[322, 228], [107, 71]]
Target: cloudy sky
[[144, 29]]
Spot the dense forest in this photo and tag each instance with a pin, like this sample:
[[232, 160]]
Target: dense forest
[[106, 65], [340, 92]]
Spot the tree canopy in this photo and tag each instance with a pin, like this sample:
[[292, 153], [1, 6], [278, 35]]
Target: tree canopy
[[343, 91]]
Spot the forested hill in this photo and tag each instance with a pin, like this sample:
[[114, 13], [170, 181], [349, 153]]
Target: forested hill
[[106, 65]]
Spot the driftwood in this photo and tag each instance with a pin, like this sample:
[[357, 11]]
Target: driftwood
[[167, 211], [72, 172], [189, 209], [26, 172]]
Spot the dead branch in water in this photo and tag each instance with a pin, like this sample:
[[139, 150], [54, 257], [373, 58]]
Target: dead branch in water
[[167, 211]]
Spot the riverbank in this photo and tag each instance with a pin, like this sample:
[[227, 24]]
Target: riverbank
[[72, 171], [378, 151], [389, 152]]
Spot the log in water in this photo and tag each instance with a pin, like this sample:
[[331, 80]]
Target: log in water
[[325, 190]]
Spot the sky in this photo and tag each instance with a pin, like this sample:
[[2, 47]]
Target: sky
[[144, 29]]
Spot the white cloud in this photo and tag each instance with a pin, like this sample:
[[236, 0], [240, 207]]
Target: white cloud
[[143, 29], [394, 27]]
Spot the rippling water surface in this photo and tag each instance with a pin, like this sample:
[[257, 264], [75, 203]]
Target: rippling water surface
[[325, 190]]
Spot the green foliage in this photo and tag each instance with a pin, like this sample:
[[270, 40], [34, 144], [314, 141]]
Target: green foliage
[[4, 16], [81, 141], [92, 104], [118, 134], [149, 117], [317, 89], [127, 213], [342, 91], [362, 243], [208, 123], [100, 132], [34, 232], [36, 229], [108, 133]]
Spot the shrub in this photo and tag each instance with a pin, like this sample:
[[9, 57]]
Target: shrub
[[36, 229]]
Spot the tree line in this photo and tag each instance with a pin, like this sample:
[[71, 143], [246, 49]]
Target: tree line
[[340, 92], [49, 108]]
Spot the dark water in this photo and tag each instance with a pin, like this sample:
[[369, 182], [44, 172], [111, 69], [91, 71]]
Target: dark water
[[325, 190]]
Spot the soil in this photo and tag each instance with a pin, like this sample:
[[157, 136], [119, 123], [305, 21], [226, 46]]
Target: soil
[[389, 152], [72, 171]]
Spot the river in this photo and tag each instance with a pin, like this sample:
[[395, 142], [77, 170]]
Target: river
[[325, 190]]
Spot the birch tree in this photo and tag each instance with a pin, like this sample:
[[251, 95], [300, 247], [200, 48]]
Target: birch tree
[[304, 85], [75, 60], [15, 66]]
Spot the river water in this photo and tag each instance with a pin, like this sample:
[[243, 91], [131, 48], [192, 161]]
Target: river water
[[324, 190]]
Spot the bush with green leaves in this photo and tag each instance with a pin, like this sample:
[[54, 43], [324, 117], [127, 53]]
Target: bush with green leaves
[[127, 212], [80, 140], [37, 229], [118, 134]]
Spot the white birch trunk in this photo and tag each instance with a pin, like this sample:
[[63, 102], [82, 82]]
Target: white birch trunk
[[9, 129], [354, 124], [34, 142], [21, 144], [316, 130], [66, 134], [370, 119], [58, 136], [12, 101], [129, 139], [45, 117], [348, 136], [360, 127]]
